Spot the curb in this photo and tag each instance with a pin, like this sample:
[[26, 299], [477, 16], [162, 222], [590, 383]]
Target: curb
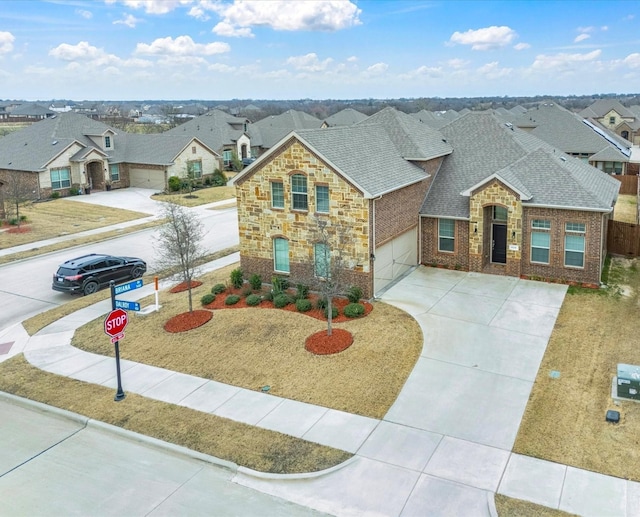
[[133, 436], [302, 475]]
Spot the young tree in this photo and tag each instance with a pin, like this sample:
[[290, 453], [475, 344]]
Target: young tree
[[17, 189], [179, 245], [330, 265]]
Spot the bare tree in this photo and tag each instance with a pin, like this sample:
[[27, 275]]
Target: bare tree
[[17, 189], [179, 245], [330, 265]]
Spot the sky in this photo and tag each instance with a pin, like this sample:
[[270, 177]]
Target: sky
[[306, 49]]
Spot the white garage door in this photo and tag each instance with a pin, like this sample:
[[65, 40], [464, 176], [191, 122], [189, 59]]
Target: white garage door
[[395, 258], [147, 178]]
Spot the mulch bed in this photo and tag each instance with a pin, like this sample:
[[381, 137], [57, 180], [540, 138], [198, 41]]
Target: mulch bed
[[322, 344], [19, 229], [183, 286], [188, 321]]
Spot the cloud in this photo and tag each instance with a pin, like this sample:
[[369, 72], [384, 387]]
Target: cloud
[[422, 72], [6, 42], [632, 60], [493, 71], [87, 15], [457, 64], [309, 63], [563, 62], [129, 20], [521, 46], [377, 69], [153, 6], [80, 52], [198, 13], [228, 30], [287, 15], [181, 46], [485, 39], [581, 37]]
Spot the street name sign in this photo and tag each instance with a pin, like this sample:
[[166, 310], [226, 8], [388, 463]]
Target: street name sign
[[129, 286]]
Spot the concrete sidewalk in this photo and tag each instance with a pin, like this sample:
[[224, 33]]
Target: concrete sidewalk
[[444, 447]]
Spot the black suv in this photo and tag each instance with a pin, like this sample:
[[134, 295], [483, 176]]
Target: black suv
[[89, 273]]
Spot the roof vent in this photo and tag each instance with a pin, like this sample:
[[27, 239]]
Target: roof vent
[[508, 124], [54, 142], [563, 158]]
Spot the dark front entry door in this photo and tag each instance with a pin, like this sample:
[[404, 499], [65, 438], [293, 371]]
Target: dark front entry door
[[499, 245]]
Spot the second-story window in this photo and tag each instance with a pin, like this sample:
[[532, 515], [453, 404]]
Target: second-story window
[[322, 198], [277, 194], [299, 192], [107, 142]]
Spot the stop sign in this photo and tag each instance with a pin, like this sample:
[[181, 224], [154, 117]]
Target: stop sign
[[115, 322]]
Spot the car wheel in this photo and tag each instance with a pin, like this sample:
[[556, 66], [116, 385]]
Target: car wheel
[[136, 272], [90, 288]]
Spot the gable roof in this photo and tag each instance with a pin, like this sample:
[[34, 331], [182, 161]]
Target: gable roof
[[603, 106], [153, 149], [486, 148], [414, 140], [268, 131], [215, 129], [345, 117]]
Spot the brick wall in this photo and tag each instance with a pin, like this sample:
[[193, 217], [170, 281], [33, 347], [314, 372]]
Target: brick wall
[[397, 211], [458, 259]]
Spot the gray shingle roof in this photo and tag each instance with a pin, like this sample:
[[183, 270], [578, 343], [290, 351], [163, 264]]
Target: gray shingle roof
[[345, 117], [603, 106], [484, 146], [413, 139], [215, 129], [267, 132]]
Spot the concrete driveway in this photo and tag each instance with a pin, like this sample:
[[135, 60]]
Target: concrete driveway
[[132, 198]]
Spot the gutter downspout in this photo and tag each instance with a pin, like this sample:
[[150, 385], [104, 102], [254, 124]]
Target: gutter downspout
[[372, 255]]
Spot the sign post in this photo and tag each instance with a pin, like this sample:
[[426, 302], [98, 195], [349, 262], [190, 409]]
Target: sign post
[[114, 326]]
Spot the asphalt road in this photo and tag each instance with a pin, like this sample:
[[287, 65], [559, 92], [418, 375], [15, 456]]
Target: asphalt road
[[25, 286]]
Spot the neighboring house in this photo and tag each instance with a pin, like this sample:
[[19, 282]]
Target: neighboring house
[[611, 114], [480, 195], [265, 133], [71, 150], [575, 136], [224, 133], [369, 178], [29, 112], [345, 117]]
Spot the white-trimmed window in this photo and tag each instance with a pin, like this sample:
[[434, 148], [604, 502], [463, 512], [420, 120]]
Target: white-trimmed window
[[540, 241], [299, 199], [277, 194], [321, 260], [60, 178], [114, 172], [227, 156], [446, 234], [107, 142], [574, 241], [612, 167], [322, 198], [195, 168], [281, 255]]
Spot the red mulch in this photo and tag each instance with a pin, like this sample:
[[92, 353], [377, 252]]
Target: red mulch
[[187, 321], [183, 286], [322, 344], [19, 229], [340, 303]]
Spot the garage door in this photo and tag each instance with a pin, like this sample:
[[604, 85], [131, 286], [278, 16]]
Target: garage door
[[147, 178], [395, 258]]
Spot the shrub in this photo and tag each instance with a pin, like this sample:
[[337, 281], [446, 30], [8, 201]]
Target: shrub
[[247, 291], [218, 288], [13, 221], [23, 218], [55, 195], [303, 305], [281, 300], [302, 291], [232, 299], [280, 284], [334, 312], [322, 303], [174, 183], [208, 181], [237, 278], [268, 296], [218, 179], [353, 310], [207, 299], [354, 294], [256, 281], [74, 191], [253, 300]]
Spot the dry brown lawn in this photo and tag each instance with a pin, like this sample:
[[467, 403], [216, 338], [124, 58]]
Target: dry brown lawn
[[202, 197], [508, 507], [63, 217], [255, 347], [626, 209], [564, 420]]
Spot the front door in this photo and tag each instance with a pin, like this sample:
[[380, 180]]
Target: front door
[[499, 244]]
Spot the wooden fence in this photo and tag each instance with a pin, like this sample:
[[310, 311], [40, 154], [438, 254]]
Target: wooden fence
[[623, 238], [629, 184]]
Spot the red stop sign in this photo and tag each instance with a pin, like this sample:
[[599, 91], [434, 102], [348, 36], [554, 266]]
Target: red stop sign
[[115, 322]]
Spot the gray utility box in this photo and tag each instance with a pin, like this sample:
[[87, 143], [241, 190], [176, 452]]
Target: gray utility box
[[629, 381]]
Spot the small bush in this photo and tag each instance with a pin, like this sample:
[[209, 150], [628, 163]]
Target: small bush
[[280, 284], [74, 191], [23, 218], [302, 291], [218, 179], [55, 195], [268, 296], [218, 288], [256, 281], [253, 300], [232, 299], [174, 183], [334, 312], [237, 278], [13, 221], [247, 290], [207, 299], [354, 294], [353, 310], [208, 181], [303, 305], [322, 303], [281, 300]]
